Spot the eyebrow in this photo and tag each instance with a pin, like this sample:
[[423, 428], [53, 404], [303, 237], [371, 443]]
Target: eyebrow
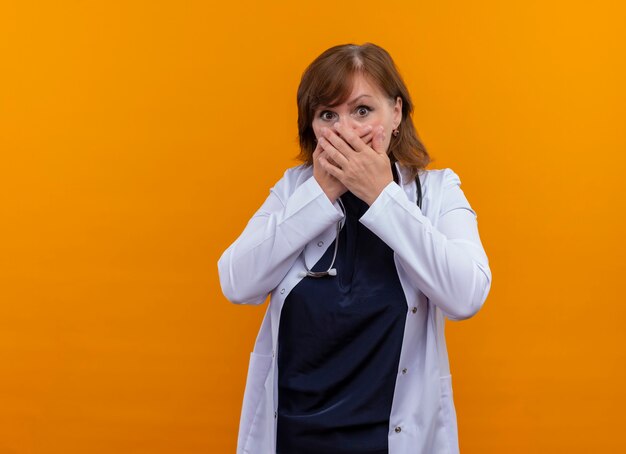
[[350, 103]]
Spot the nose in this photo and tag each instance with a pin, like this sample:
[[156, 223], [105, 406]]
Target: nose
[[347, 121]]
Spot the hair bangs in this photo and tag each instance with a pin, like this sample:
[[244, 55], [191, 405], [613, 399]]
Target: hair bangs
[[335, 86]]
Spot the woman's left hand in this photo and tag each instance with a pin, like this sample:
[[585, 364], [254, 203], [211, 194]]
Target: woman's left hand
[[364, 170]]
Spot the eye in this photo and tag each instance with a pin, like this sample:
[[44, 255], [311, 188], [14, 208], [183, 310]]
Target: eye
[[327, 115], [362, 111]]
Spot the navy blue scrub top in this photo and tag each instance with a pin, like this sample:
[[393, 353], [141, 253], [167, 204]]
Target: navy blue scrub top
[[339, 347]]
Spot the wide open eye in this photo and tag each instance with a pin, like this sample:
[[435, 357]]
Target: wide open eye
[[327, 115], [363, 111]]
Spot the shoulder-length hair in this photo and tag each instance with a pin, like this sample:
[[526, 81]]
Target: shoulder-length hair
[[328, 81]]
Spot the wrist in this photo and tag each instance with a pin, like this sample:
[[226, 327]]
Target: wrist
[[332, 194], [371, 197]]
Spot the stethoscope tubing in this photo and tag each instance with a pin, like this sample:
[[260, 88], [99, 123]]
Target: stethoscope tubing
[[332, 271]]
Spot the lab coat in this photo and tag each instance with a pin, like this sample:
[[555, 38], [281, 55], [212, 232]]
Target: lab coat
[[442, 267]]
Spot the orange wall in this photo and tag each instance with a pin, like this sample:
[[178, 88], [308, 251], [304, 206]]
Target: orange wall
[[137, 138]]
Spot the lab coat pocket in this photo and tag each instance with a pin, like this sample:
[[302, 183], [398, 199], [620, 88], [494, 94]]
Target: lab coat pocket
[[254, 396], [448, 413]]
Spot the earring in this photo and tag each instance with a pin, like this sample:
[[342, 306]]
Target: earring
[[395, 132]]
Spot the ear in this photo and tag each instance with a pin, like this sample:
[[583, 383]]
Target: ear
[[397, 112]]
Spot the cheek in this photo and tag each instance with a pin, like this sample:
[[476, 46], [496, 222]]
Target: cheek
[[316, 129], [384, 120]]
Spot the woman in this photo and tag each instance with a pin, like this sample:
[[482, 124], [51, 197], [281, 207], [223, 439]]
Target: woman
[[363, 253]]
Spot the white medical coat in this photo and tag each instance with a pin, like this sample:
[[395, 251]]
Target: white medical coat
[[442, 267]]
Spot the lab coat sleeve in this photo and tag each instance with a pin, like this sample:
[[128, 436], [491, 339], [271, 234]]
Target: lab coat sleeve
[[448, 263], [291, 216]]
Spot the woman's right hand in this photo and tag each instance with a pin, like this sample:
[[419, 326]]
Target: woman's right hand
[[332, 187]]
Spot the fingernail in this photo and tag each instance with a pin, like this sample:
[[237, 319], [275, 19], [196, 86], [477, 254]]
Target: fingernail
[[368, 128]]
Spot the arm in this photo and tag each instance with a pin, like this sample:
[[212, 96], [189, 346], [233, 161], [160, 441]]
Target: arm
[[260, 258], [448, 264]]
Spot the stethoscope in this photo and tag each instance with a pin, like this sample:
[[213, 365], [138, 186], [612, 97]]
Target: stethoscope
[[332, 271]]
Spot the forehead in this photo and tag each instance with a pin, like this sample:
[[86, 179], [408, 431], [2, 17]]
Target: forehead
[[362, 84]]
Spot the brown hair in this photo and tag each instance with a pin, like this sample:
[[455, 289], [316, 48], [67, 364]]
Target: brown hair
[[328, 81]]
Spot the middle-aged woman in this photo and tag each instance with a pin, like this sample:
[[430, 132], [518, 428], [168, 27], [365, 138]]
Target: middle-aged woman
[[364, 253]]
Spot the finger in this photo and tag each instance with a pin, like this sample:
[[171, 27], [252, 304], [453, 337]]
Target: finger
[[378, 142], [350, 137], [330, 168], [339, 144], [316, 152], [327, 157], [331, 151], [364, 132], [367, 138]]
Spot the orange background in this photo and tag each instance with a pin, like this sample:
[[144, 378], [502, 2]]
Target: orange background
[[138, 137]]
